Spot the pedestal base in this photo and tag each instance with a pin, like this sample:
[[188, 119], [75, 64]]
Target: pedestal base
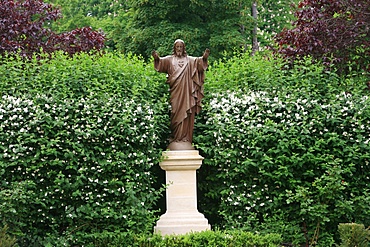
[[169, 224], [182, 215]]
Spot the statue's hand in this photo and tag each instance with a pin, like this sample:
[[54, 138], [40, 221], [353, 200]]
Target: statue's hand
[[155, 55], [206, 54]]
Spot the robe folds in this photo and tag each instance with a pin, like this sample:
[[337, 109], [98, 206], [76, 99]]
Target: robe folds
[[186, 81]]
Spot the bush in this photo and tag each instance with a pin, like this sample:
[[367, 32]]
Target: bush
[[352, 235], [5, 239], [263, 72], [289, 156], [14, 202], [80, 138], [332, 32], [87, 146], [283, 158], [206, 238], [23, 31]]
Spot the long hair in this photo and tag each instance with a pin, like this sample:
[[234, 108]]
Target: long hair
[[174, 47]]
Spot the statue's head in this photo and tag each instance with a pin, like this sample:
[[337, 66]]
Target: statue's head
[[179, 48]]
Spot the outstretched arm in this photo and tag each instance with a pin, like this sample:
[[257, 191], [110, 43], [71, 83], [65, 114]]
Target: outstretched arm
[[155, 55], [206, 54], [160, 64]]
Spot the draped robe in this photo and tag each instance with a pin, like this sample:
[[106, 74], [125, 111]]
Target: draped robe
[[186, 92]]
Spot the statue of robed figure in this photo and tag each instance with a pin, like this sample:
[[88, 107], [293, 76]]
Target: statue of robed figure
[[185, 76]]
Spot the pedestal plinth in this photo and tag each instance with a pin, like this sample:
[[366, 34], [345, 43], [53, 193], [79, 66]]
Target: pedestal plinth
[[182, 215]]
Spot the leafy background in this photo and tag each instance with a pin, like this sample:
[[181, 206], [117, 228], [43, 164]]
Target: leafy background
[[285, 142], [286, 150]]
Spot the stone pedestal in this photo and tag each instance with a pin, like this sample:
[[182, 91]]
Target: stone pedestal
[[182, 215]]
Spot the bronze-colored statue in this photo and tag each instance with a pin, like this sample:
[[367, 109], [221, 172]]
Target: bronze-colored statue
[[185, 75]]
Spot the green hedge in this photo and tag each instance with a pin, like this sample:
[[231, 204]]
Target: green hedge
[[79, 142], [83, 75], [263, 72], [280, 161], [197, 239], [286, 150]]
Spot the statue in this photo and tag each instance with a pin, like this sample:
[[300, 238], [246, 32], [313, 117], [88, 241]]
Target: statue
[[185, 76]]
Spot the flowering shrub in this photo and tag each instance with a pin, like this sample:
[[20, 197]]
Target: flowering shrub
[[81, 158], [286, 151], [277, 161], [90, 160]]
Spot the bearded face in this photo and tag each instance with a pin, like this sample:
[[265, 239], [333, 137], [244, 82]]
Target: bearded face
[[179, 49]]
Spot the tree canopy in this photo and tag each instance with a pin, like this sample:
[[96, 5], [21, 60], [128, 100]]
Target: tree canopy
[[138, 26], [222, 26], [332, 31], [23, 28]]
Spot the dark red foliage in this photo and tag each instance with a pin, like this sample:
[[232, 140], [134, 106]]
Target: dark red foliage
[[334, 31], [78, 40], [23, 29]]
